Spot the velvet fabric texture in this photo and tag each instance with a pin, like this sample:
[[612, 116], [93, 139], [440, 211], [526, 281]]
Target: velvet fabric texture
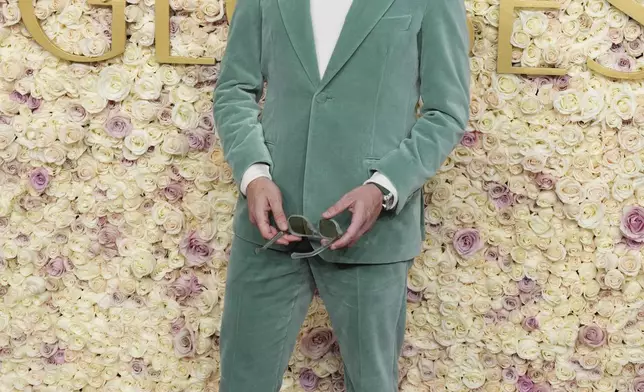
[[322, 137]]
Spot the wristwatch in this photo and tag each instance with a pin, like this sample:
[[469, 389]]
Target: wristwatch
[[387, 197]]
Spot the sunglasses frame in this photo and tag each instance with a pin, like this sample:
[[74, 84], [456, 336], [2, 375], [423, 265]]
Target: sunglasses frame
[[315, 234]]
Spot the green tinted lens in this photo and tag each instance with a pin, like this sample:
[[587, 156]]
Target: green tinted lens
[[299, 225], [329, 228]]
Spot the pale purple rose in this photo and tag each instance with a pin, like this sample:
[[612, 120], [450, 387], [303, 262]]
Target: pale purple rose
[[502, 315], [561, 82], [524, 384], [118, 126], [335, 349], [207, 72], [207, 122], [504, 201], [33, 103], [47, 350], [57, 266], [545, 181], [632, 224], [173, 192], [164, 115], [541, 387], [108, 235], [510, 375], [490, 317], [511, 303], [5, 120], [633, 245], [196, 251], [138, 366], [76, 113], [467, 242], [17, 97], [530, 323], [491, 254], [184, 343], [527, 285], [177, 325], [496, 190], [185, 287], [197, 139], [337, 385], [408, 350], [58, 358], [470, 139], [413, 296], [174, 25], [638, 384], [309, 380], [625, 63], [317, 342], [592, 336], [541, 81], [635, 47], [39, 179]]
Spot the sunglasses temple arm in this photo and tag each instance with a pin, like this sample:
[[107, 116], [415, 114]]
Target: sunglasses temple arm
[[270, 242], [316, 252]]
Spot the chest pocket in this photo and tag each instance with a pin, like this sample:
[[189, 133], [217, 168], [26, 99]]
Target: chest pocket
[[390, 24]]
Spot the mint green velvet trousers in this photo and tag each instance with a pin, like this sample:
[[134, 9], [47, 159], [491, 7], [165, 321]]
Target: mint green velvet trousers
[[266, 301]]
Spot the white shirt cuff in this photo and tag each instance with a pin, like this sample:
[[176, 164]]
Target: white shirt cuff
[[254, 171], [383, 181]]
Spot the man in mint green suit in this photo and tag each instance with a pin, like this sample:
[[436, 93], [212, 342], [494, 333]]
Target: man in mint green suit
[[343, 142]]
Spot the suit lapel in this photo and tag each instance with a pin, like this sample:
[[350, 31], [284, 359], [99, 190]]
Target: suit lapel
[[361, 19], [297, 20]]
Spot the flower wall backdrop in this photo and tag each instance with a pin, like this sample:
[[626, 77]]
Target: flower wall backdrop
[[116, 209]]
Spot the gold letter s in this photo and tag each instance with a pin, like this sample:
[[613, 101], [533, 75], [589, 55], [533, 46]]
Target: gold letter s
[[118, 31], [635, 11]]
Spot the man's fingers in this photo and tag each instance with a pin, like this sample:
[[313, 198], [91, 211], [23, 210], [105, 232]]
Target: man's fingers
[[352, 233], [278, 213], [338, 207], [261, 215]]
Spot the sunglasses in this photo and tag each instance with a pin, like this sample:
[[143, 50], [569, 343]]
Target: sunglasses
[[298, 225]]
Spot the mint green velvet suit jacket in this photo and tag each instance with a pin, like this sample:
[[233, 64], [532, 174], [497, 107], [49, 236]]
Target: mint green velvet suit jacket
[[322, 137]]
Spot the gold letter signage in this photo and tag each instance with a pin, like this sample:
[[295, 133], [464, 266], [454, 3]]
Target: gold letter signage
[[635, 11], [118, 31], [506, 19], [162, 35]]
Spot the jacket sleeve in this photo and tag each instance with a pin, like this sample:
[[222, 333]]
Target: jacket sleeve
[[444, 89], [238, 90]]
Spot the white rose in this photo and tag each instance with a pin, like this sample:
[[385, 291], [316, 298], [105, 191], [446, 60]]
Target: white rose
[[11, 14], [614, 279], [591, 214], [137, 142], [93, 47], [528, 349], [142, 263], [34, 285], [7, 136], [569, 190], [148, 86], [175, 144], [184, 115], [567, 101], [114, 83]]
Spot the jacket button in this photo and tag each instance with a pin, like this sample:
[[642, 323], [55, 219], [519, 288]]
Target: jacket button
[[322, 97]]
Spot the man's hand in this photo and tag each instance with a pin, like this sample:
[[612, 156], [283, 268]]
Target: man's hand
[[365, 204], [264, 197]]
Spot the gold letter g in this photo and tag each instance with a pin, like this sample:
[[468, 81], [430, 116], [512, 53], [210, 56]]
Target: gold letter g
[[118, 31]]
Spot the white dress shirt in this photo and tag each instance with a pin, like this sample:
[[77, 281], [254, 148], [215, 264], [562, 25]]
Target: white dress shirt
[[327, 17]]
